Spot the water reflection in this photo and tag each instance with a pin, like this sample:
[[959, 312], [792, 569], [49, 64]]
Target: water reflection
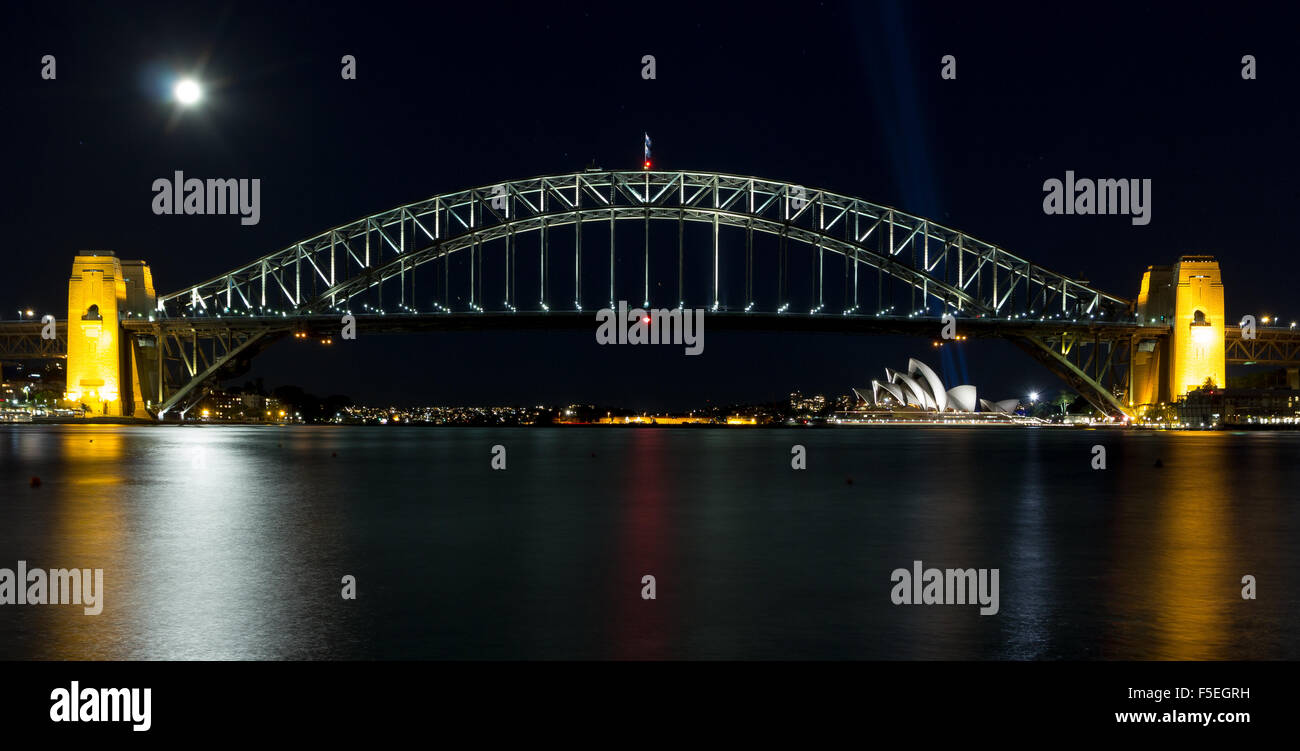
[[229, 543], [1192, 584], [641, 626], [89, 531]]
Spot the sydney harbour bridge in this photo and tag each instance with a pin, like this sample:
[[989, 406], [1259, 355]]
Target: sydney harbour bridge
[[546, 252]]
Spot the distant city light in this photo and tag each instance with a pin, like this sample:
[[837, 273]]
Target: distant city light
[[1033, 396]]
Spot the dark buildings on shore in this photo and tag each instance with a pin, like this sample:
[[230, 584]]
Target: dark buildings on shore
[[233, 406], [1211, 407], [1259, 399]]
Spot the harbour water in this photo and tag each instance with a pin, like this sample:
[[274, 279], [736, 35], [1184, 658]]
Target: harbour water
[[225, 542]]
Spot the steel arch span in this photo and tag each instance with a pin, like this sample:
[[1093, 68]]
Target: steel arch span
[[852, 259]]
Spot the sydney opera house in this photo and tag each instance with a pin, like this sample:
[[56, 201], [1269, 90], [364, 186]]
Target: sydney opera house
[[921, 393]]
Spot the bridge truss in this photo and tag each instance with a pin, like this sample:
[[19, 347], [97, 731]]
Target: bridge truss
[[1269, 346], [22, 340], [732, 244]]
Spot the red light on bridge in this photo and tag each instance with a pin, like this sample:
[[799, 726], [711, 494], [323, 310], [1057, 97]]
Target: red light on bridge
[[646, 319], [647, 164]]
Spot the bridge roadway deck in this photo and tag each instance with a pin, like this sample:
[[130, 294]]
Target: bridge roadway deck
[[20, 340], [330, 325]]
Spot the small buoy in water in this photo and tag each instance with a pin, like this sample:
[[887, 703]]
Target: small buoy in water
[[36, 481], [1159, 463]]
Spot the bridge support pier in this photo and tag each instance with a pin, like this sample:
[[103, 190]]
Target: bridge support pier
[[1188, 297], [104, 365]]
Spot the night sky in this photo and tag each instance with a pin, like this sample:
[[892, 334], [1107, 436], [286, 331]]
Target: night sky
[[837, 96]]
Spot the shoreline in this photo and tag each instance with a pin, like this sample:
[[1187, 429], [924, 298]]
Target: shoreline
[[657, 426]]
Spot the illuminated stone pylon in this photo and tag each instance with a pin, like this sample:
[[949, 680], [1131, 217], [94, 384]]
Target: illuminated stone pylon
[[101, 292], [1188, 297]]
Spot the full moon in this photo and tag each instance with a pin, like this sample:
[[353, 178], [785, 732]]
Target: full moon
[[187, 91]]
